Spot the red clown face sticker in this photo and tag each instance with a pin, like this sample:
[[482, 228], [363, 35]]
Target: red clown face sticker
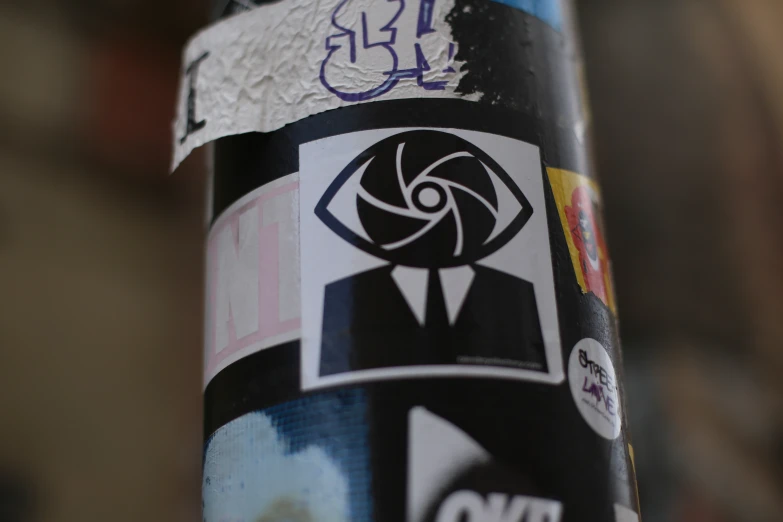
[[579, 207]]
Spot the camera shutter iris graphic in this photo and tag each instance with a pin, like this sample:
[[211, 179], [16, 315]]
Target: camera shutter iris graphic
[[426, 199]]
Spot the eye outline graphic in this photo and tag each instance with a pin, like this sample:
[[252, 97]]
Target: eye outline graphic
[[361, 161]]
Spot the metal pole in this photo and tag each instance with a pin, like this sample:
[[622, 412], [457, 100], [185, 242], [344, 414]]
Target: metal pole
[[410, 313]]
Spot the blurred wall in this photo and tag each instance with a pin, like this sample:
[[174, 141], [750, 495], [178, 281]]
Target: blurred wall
[[688, 118], [100, 255]]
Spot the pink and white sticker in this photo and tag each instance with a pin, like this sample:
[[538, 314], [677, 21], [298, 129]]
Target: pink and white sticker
[[253, 296]]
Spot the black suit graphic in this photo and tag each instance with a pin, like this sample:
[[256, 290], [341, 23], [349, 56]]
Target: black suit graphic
[[428, 200], [368, 324]]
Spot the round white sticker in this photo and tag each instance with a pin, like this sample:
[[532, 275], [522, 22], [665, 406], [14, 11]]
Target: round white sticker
[[594, 387]]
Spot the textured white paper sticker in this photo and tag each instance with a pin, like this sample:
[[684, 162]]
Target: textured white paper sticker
[[594, 387], [279, 63], [425, 252]]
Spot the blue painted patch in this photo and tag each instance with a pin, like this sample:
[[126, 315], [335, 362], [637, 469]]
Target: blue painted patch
[[546, 10], [335, 421], [307, 459]]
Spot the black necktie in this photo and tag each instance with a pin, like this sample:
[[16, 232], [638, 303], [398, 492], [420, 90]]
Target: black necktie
[[436, 306]]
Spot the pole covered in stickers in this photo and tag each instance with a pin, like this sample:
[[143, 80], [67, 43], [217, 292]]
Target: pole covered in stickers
[[410, 314]]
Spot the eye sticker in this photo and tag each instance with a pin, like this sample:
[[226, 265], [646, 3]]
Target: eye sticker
[[425, 252], [425, 199]]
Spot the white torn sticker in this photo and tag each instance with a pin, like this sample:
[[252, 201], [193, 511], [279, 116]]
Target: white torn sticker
[[279, 63]]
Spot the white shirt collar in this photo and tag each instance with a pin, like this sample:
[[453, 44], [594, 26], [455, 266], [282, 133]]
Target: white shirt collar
[[413, 282]]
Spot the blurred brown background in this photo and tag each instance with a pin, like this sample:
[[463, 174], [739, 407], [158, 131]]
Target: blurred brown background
[[100, 255]]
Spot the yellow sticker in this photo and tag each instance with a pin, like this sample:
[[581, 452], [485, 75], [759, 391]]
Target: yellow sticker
[[579, 207], [633, 467]]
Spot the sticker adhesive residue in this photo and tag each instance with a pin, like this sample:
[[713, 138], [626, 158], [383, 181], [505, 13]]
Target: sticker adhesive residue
[[279, 63]]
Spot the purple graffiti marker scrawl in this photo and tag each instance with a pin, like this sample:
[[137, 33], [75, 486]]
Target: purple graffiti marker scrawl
[[334, 75], [425, 18], [376, 45], [449, 68], [422, 67]]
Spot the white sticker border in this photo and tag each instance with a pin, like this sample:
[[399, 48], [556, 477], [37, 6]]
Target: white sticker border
[[310, 380]]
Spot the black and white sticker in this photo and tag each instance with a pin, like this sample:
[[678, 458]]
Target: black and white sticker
[[594, 388], [451, 478], [425, 252]]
